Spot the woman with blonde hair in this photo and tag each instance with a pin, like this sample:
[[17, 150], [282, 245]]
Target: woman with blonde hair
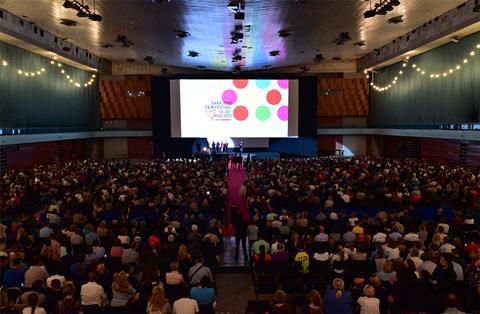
[[387, 274], [123, 292], [337, 300], [368, 303], [316, 303], [158, 304]]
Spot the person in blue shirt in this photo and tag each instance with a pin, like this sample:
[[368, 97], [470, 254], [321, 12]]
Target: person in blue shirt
[[15, 276], [203, 294], [337, 300]]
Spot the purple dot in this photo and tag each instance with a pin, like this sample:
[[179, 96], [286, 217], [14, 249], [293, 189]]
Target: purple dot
[[229, 97], [283, 113], [283, 84]]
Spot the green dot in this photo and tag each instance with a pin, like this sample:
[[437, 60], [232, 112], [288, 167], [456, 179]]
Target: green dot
[[262, 113]]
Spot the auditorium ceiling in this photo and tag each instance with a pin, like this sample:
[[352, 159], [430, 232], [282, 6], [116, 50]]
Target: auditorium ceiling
[[150, 29]]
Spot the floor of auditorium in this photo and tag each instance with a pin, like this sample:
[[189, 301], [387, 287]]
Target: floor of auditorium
[[233, 280]]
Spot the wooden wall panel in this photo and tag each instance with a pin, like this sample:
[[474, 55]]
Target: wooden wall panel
[[140, 148], [26, 156], [440, 150], [346, 97], [115, 104], [326, 144]]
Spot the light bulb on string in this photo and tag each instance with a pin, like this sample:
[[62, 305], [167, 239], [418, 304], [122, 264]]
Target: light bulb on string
[[465, 60], [472, 53], [4, 63]]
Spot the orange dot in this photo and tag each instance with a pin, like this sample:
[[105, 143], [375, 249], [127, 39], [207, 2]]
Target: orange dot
[[240, 113], [274, 97], [240, 83]]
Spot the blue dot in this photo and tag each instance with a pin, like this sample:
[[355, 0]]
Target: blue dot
[[262, 83]]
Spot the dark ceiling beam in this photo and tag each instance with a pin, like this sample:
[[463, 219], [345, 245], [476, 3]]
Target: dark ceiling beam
[[444, 25]]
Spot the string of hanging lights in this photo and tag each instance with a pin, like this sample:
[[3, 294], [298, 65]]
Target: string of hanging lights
[[421, 71], [58, 66]]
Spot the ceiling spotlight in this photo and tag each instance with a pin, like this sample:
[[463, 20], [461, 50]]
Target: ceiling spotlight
[[237, 58], [369, 13], [95, 17], [274, 53], [182, 34], [236, 6], [284, 33], [239, 16], [318, 58]]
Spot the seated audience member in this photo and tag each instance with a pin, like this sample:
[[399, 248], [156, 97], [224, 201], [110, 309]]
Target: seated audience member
[[198, 271], [54, 293], [451, 304], [15, 276], [369, 304], [203, 294], [69, 304], [33, 305], [92, 295], [336, 299], [36, 272], [173, 277], [123, 292], [185, 305], [280, 305], [158, 303], [315, 305], [262, 260], [36, 289]]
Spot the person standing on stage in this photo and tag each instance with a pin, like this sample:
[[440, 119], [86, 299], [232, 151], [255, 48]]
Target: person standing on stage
[[240, 146]]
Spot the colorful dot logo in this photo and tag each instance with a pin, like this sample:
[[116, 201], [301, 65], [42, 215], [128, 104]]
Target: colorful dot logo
[[274, 97], [240, 83], [262, 84], [283, 84], [282, 113], [229, 97], [262, 113], [240, 113]]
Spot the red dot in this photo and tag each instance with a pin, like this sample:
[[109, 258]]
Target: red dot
[[240, 113], [274, 97], [240, 83]]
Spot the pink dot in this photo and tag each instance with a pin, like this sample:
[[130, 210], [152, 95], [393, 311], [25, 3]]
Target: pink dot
[[229, 97], [283, 113], [283, 84]]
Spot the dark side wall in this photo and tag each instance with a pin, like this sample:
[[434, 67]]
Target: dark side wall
[[46, 102], [420, 100]]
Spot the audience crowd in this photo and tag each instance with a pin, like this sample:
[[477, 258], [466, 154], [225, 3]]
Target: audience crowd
[[357, 236], [111, 236], [371, 235]]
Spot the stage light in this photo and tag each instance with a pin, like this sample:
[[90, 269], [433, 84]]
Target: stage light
[[472, 53], [369, 13], [450, 71], [404, 65], [4, 63], [423, 72], [444, 74], [95, 17], [68, 4], [59, 64], [414, 65], [42, 69], [458, 67], [401, 72], [395, 2], [63, 71], [465, 60]]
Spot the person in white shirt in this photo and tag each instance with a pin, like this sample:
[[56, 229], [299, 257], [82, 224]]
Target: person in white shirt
[[185, 305], [321, 236], [427, 264], [53, 277], [368, 303], [33, 307], [92, 294]]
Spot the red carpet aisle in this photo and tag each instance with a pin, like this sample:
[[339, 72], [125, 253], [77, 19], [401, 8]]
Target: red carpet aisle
[[235, 179]]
